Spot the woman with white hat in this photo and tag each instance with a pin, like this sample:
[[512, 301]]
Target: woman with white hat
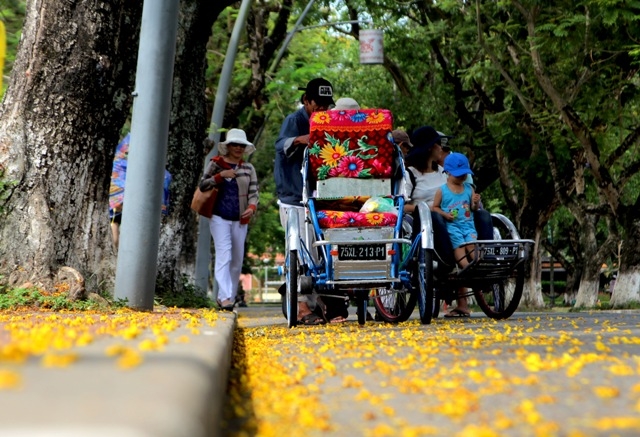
[[236, 203]]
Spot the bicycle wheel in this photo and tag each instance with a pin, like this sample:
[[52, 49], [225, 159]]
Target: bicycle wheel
[[394, 306], [292, 289], [501, 299], [422, 280]]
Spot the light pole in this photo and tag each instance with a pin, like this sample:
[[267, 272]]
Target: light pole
[[137, 263]]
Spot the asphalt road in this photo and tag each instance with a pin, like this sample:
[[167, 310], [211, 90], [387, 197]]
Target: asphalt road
[[535, 374]]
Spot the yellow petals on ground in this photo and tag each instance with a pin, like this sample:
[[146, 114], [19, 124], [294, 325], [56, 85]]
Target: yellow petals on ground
[[55, 338], [478, 377], [9, 379], [59, 360], [606, 392]]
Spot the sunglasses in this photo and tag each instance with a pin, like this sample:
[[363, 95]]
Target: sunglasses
[[236, 145]]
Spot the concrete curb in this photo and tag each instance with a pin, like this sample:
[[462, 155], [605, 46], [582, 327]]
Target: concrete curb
[[177, 392]]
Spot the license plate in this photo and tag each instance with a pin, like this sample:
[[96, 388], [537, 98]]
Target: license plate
[[502, 250], [362, 252]]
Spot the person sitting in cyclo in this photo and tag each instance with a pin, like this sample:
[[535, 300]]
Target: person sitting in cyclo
[[456, 201]]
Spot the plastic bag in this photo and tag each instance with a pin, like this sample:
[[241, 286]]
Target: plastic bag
[[379, 204]]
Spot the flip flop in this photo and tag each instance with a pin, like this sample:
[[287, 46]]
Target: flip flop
[[338, 319], [311, 319], [457, 313]]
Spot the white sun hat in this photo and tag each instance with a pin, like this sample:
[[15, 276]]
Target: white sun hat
[[236, 136], [345, 103]]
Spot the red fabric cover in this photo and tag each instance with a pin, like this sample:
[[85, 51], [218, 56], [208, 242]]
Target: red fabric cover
[[349, 219], [353, 143]]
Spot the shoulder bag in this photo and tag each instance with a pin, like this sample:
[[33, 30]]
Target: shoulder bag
[[204, 201]]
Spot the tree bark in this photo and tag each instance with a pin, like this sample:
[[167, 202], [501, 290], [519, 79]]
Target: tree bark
[[626, 290], [60, 118], [186, 151]]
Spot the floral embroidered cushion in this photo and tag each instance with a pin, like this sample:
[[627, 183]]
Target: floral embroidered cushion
[[349, 219], [354, 143]]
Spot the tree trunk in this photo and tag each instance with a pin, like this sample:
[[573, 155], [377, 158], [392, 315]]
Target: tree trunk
[[587, 296], [186, 152], [627, 287], [59, 122], [532, 294]]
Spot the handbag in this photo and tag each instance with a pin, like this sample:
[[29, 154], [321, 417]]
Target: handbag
[[204, 201]]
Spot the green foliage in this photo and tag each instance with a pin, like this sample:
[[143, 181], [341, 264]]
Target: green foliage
[[14, 298], [188, 297], [12, 13]]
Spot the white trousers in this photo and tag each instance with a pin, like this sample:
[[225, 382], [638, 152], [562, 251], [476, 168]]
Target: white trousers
[[228, 240]]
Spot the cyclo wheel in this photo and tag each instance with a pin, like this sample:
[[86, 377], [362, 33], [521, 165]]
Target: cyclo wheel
[[501, 299], [291, 296], [422, 280], [393, 306]]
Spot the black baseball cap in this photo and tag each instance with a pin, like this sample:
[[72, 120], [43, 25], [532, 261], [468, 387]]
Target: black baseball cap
[[319, 90]]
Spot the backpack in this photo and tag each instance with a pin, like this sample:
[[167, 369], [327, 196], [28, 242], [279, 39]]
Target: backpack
[[412, 176]]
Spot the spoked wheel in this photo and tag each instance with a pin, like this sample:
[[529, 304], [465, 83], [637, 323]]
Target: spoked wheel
[[501, 299], [362, 297], [291, 296], [422, 280], [394, 306]]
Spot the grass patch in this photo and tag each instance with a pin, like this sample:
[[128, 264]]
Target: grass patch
[[189, 297], [15, 298]]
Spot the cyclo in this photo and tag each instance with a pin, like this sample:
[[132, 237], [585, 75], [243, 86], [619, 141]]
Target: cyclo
[[360, 250]]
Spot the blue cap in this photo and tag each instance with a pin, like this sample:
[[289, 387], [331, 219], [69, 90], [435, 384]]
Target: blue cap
[[456, 164]]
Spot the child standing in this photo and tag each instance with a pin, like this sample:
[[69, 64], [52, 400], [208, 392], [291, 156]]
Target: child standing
[[455, 201]]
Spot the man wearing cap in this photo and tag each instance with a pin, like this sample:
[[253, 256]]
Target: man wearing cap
[[401, 138], [290, 145]]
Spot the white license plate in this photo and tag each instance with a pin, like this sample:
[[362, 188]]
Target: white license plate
[[502, 250], [361, 252]]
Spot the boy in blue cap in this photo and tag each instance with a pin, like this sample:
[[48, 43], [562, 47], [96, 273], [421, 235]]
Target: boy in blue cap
[[455, 201]]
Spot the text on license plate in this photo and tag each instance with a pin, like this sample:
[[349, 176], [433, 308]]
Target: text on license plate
[[362, 252], [502, 250]]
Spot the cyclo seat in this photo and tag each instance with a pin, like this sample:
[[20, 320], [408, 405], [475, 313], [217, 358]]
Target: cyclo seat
[[351, 156]]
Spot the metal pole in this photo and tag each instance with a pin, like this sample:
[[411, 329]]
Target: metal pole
[[138, 252], [203, 249]]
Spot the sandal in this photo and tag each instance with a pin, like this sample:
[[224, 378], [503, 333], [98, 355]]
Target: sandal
[[227, 305], [456, 313], [311, 319]]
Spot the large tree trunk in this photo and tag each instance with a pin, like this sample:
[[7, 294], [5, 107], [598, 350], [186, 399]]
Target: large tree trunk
[[532, 293], [590, 281], [627, 287], [60, 120], [186, 152]]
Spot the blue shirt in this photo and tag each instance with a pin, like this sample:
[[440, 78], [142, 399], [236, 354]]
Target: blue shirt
[[288, 163], [227, 203]]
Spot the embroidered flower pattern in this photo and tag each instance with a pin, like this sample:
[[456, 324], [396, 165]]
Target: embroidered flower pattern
[[346, 219], [321, 117], [375, 117], [374, 219], [350, 167], [358, 117], [331, 155], [351, 144]]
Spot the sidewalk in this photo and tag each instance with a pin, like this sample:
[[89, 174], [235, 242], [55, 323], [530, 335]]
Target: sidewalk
[[176, 391]]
